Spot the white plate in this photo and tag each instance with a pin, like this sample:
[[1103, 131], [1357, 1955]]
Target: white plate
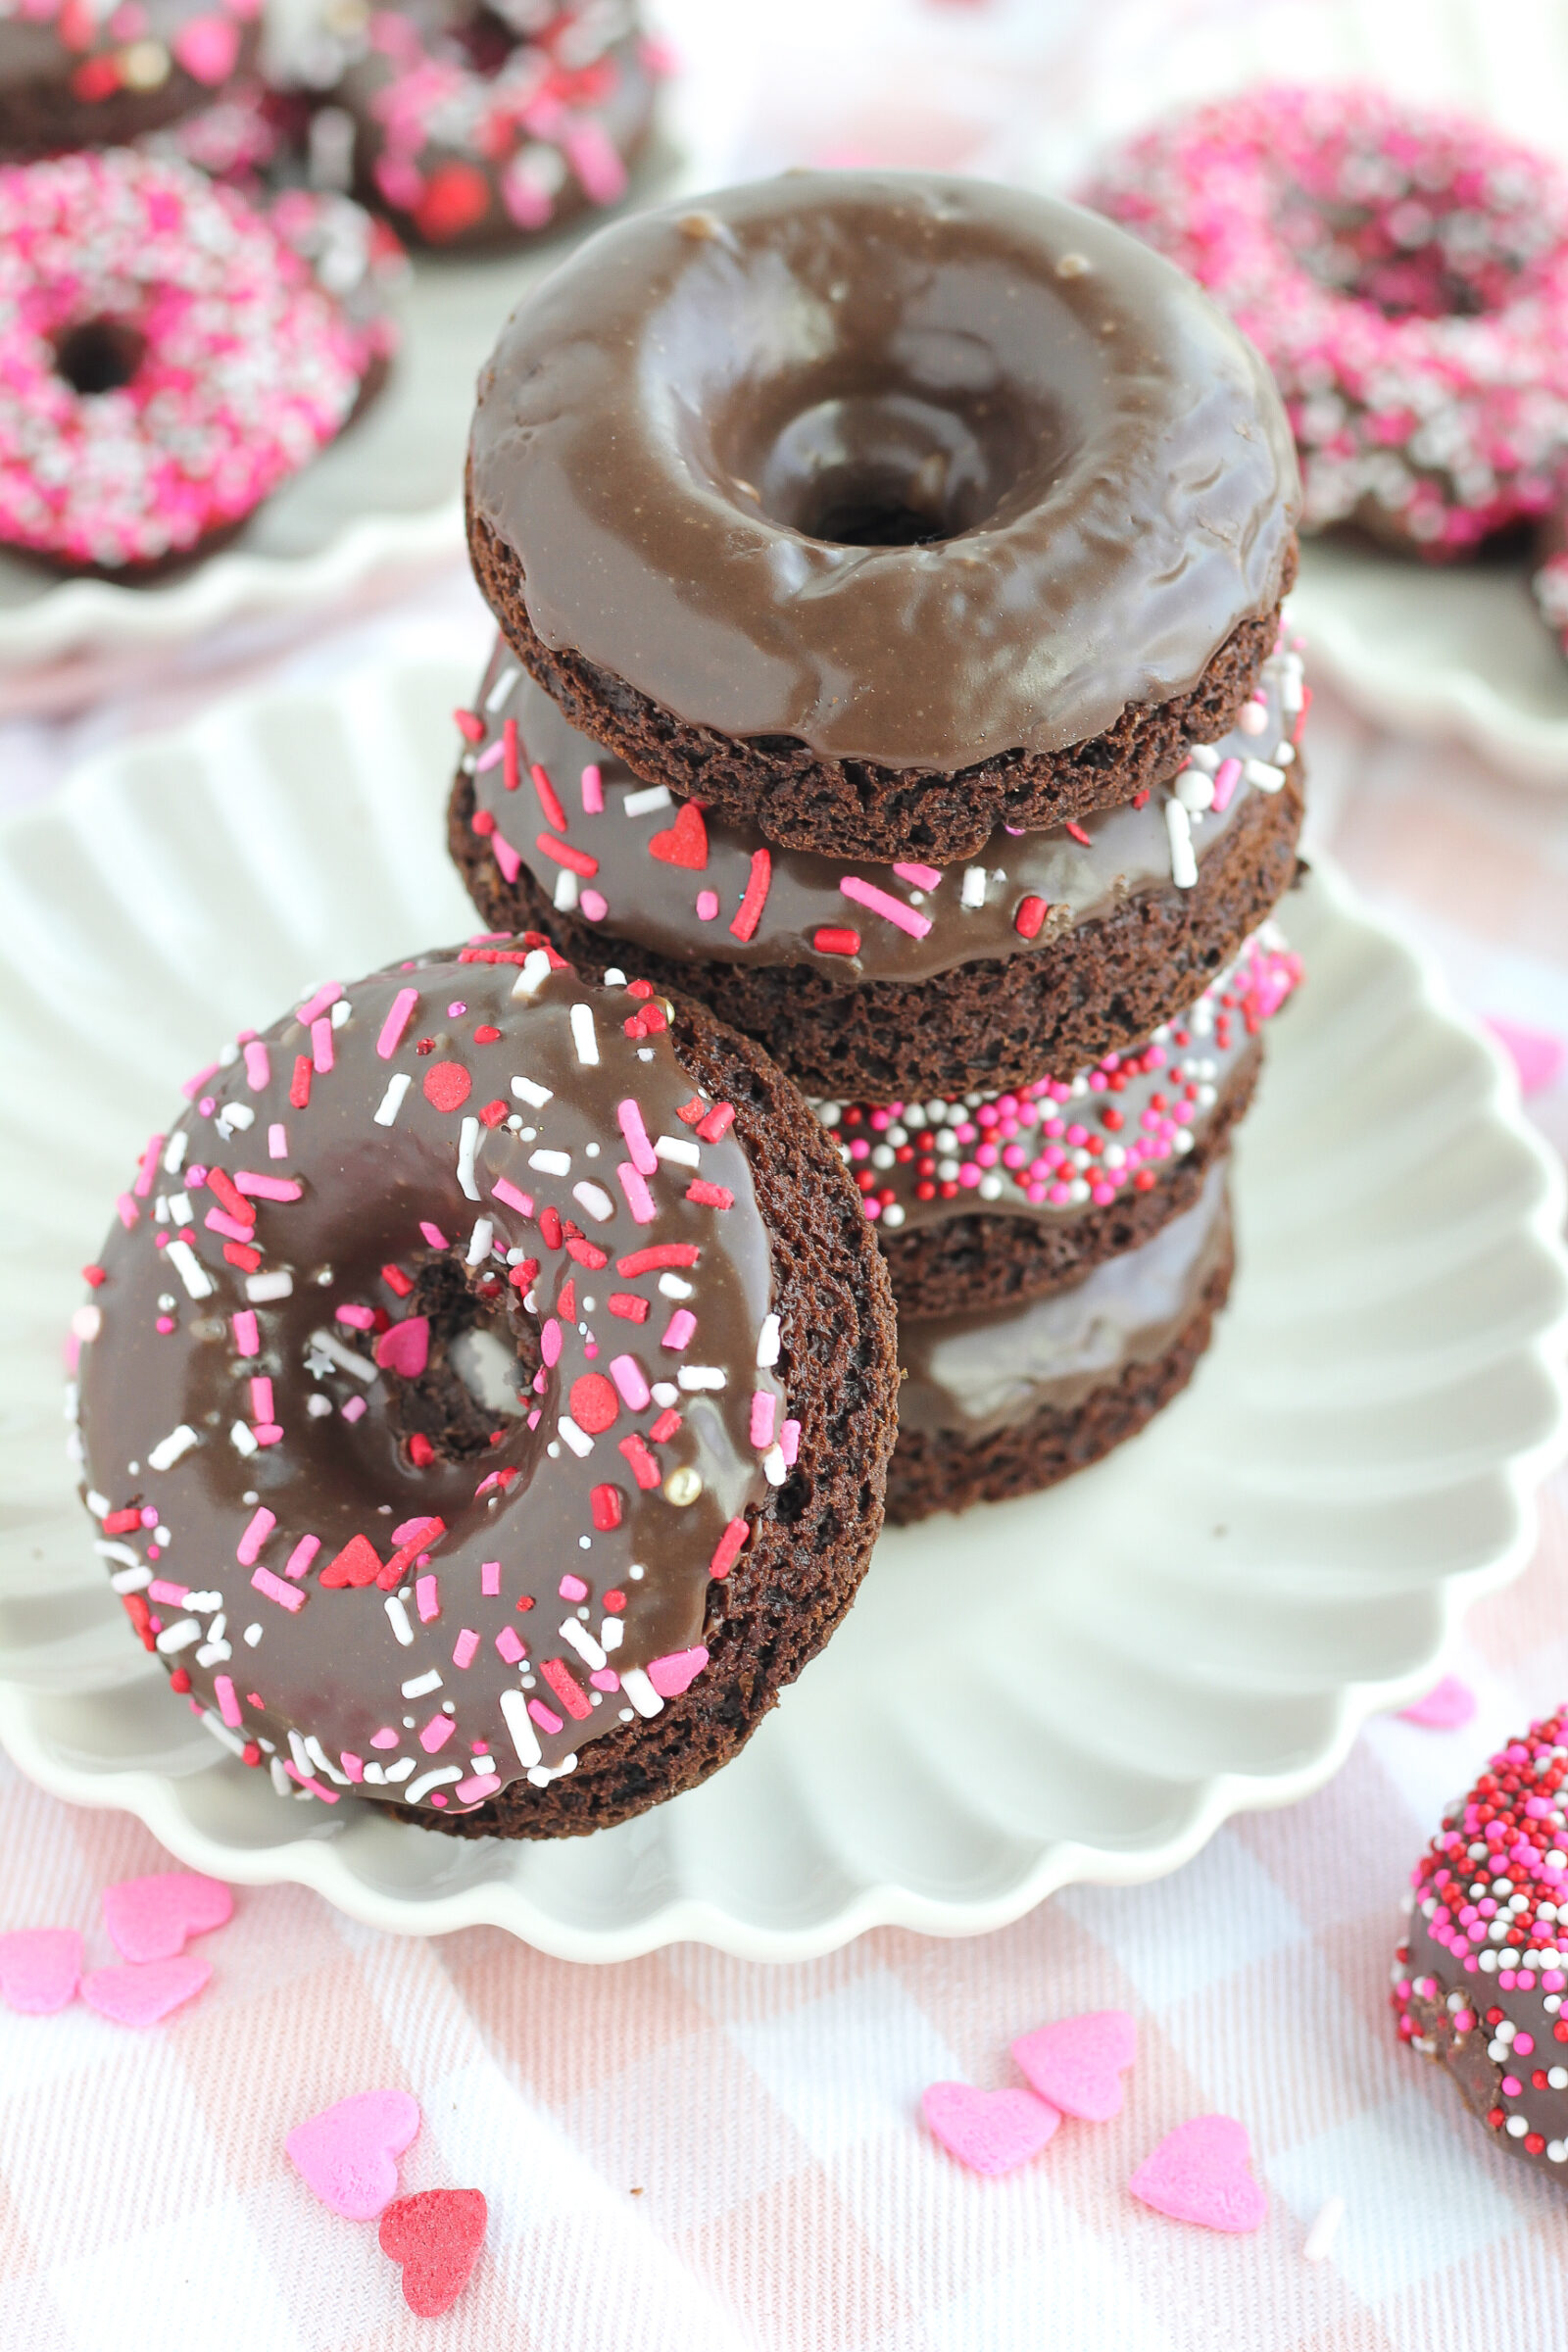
[[1197, 1625]]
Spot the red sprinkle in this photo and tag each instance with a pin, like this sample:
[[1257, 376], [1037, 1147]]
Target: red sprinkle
[[121, 1523], [299, 1093], [565, 854], [550, 1227], [1030, 917], [833, 939], [140, 1616], [524, 1277], [421, 1453], [690, 1113], [242, 1209], [485, 1035], [652, 1260], [510, 756], [666, 1426], [1080, 835], [749, 911], [548, 797], [606, 1505], [717, 1122], [447, 1085], [627, 1304], [594, 1404], [241, 1254], [94, 1275], [494, 1112], [396, 1281], [644, 1469], [358, 1563], [728, 1548], [569, 1692], [587, 1253], [615, 1601], [469, 725], [710, 1196], [482, 823], [1141, 799], [566, 1304]]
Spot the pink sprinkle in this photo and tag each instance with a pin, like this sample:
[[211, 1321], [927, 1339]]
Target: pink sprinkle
[[544, 1717], [490, 1578], [479, 1784], [573, 1588], [360, 1318], [707, 905], [322, 1046], [385, 1737], [247, 1339], [228, 1703], [605, 1678], [626, 1373], [287, 1596], [149, 1165], [353, 1765], [1227, 776], [319, 1004], [507, 1193], [639, 1200], [678, 1332], [277, 1141], [262, 1406], [882, 902], [923, 877], [267, 1188], [128, 1211], [432, 1234], [592, 791], [789, 1442], [328, 1796], [258, 1066], [427, 1597], [193, 1086], [629, 1119], [399, 1015], [594, 904], [550, 1342], [436, 1733], [466, 1648], [162, 1590], [354, 1410], [506, 858], [762, 1409], [303, 1553], [220, 1221], [511, 1648]]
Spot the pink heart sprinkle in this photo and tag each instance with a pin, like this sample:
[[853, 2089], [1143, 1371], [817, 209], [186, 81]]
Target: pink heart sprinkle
[[1077, 2064], [150, 1919], [1201, 2172], [206, 47], [347, 2155], [39, 1968], [141, 1992], [405, 1347], [989, 2131], [1536, 1054], [1445, 1706], [673, 1675]]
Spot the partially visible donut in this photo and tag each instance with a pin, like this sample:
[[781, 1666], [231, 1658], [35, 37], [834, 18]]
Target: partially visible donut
[[1404, 272], [479, 126], [99, 72], [486, 1393], [168, 360]]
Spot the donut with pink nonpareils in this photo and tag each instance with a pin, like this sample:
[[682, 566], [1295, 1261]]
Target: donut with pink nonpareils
[[486, 1392], [1403, 270]]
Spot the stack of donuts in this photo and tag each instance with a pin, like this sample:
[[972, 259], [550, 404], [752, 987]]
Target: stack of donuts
[[888, 576]]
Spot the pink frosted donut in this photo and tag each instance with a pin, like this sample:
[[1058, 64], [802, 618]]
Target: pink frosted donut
[[1405, 274], [166, 359]]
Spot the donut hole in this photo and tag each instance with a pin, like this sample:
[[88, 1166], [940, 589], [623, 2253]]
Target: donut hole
[[100, 355], [483, 1354], [888, 468]]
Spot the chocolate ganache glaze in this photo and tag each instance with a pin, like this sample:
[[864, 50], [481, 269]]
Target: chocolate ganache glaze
[[432, 1380], [677, 881], [974, 1374], [914, 471]]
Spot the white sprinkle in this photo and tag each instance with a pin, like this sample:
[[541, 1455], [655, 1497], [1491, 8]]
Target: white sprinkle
[[501, 689], [566, 891], [1183, 864], [768, 1341], [524, 1738], [702, 1376], [261, 1289], [1320, 2237], [1194, 790], [640, 1691], [131, 1579], [252, 1634], [188, 1266], [398, 1617], [99, 1504], [550, 1164], [973, 892], [167, 1451], [578, 1439], [467, 1145], [644, 803], [391, 1102], [1262, 776], [479, 1241], [595, 1199], [611, 1632], [663, 1392], [178, 1208], [675, 1286], [86, 1322], [240, 1437], [528, 1090], [319, 1758], [583, 1642], [420, 1684], [533, 975], [584, 1035], [774, 1467], [174, 1157], [432, 1780], [401, 1770], [179, 1635], [347, 1359], [676, 1148]]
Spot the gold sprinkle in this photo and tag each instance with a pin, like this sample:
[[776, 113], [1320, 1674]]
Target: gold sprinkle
[[700, 225], [144, 65], [747, 489], [1072, 264], [683, 1486]]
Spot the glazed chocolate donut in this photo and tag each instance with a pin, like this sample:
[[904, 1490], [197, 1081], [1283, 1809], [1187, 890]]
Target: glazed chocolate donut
[[878, 510], [874, 982], [76, 75], [475, 126], [486, 1394]]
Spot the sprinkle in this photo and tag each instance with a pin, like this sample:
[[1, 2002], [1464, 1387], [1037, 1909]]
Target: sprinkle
[[399, 1015], [973, 892], [321, 1046], [167, 1451], [248, 1548], [287, 1596], [627, 1375], [594, 1199], [469, 725], [490, 1578], [467, 1145], [717, 1122], [707, 905], [767, 1343], [188, 1266], [896, 911], [833, 939], [299, 1092], [398, 1618], [1264, 777], [514, 1708], [549, 799], [347, 1359], [640, 1691], [629, 1119], [501, 690], [564, 854], [1030, 916], [754, 898], [433, 1233], [479, 1241], [1227, 776], [789, 1439], [764, 1406], [710, 1196], [583, 1033], [921, 877], [578, 1439], [676, 1149], [702, 1376], [727, 1551], [680, 1330], [1183, 864], [629, 1307], [324, 998], [435, 1733], [660, 1254], [466, 1648], [592, 790], [391, 1102], [644, 1468], [604, 1507], [577, 1637], [529, 1091], [507, 1193], [559, 1675], [264, 1289], [639, 1200], [303, 1553], [420, 1684]]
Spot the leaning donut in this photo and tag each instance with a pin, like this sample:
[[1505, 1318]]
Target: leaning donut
[[486, 1393], [74, 73], [1405, 274], [166, 360]]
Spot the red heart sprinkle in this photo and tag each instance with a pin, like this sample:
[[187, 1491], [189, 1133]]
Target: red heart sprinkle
[[436, 2236], [358, 1564], [594, 1404], [447, 1085], [685, 843]]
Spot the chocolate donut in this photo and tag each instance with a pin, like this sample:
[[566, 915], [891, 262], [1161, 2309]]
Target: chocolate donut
[[74, 73], [486, 1394], [1480, 1976], [1047, 951], [879, 510], [996, 1404]]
